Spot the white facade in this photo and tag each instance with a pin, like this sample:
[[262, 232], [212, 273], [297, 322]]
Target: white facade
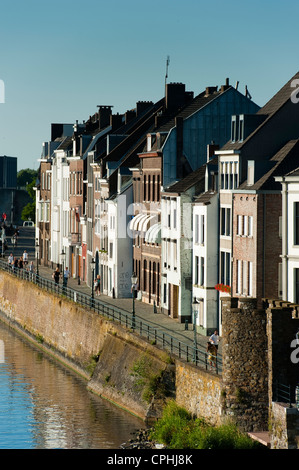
[[176, 236], [120, 245], [205, 263], [289, 279], [60, 209]]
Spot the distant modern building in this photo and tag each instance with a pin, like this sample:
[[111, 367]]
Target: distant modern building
[[8, 172]]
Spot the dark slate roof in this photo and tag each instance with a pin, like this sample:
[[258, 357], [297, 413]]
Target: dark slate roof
[[66, 144], [268, 110], [195, 105], [191, 179], [187, 182], [284, 161], [205, 198]]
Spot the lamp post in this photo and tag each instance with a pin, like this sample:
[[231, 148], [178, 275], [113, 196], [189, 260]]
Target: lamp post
[[3, 240], [13, 242], [36, 254], [92, 267], [195, 315], [62, 256], [134, 280]]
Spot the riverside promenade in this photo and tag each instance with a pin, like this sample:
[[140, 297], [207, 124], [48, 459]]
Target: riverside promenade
[[159, 321]]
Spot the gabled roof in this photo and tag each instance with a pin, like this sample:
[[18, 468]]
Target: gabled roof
[[284, 161], [268, 110], [195, 105], [205, 197]]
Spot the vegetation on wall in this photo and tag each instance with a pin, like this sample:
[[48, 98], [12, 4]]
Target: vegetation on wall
[[177, 429]]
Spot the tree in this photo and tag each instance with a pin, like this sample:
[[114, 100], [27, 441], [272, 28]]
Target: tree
[[26, 176]]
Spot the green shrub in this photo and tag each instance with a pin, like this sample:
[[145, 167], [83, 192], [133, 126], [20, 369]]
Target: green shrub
[[177, 429]]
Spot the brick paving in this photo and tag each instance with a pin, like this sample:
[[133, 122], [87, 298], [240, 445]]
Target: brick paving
[[160, 321]]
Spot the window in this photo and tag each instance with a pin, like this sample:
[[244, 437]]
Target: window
[[280, 281], [240, 225], [110, 250], [296, 299], [250, 222], [196, 231], [296, 223], [175, 256], [196, 269], [250, 278], [144, 274], [239, 277], [225, 268], [202, 271], [225, 222]]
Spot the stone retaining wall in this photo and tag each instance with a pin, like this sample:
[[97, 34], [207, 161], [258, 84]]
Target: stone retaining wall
[[118, 364]]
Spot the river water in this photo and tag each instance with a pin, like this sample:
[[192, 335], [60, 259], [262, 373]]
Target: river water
[[44, 405]]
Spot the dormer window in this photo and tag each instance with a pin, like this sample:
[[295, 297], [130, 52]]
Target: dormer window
[[235, 128], [250, 172], [241, 128]]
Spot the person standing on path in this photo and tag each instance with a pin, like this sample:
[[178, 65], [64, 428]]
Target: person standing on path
[[10, 260], [97, 285], [56, 275], [66, 275], [214, 339], [25, 257]]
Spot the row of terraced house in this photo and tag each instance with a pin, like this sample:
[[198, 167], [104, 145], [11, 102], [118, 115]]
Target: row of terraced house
[[196, 195]]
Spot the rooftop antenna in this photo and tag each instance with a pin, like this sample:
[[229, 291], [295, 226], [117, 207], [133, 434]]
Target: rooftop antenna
[[167, 65]]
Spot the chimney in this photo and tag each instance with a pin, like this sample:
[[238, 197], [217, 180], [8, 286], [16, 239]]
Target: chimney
[[142, 106], [116, 121], [175, 96], [129, 115], [210, 90], [226, 86], [104, 116], [211, 148]]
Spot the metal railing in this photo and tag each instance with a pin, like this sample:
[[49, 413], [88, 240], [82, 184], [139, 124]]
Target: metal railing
[[283, 393], [191, 353]]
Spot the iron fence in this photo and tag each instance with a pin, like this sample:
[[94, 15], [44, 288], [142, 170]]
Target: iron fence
[[191, 353], [283, 393]]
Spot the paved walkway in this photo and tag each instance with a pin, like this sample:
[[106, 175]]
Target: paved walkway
[[145, 311]]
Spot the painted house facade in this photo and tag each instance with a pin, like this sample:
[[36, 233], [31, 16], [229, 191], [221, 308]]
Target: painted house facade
[[260, 147]]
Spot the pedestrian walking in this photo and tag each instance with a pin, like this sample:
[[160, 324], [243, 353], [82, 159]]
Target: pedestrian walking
[[56, 275], [10, 260], [15, 264], [214, 339], [97, 285], [66, 276], [31, 270], [212, 355], [25, 257], [20, 263]]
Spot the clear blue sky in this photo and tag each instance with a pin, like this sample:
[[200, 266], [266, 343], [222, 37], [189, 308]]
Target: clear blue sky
[[60, 59]]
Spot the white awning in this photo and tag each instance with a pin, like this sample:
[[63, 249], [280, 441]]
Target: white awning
[[145, 224], [140, 223], [153, 235], [135, 221]]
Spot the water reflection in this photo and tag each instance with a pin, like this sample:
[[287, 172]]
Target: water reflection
[[43, 405]]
